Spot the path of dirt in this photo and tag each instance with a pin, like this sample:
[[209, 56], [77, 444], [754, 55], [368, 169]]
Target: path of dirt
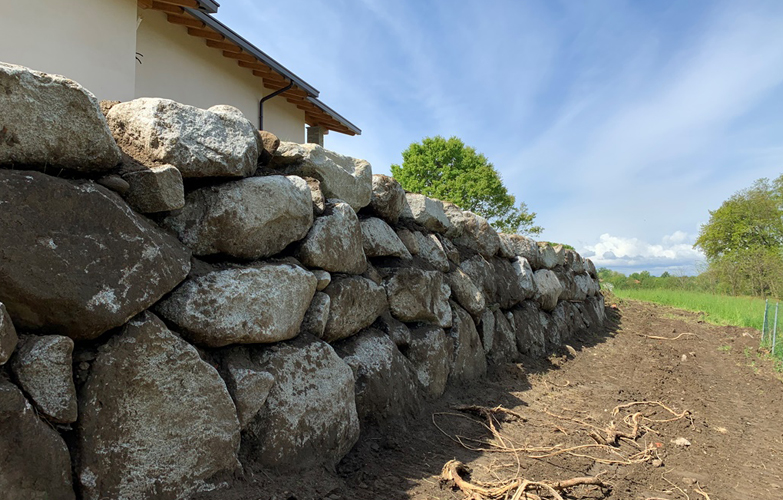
[[720, 395]]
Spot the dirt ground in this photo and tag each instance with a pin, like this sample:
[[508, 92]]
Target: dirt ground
[[710, 388]]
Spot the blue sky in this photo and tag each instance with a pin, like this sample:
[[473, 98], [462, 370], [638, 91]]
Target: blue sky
[[621, 123]]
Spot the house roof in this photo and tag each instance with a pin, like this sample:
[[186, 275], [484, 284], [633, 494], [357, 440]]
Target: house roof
[[195, 16]]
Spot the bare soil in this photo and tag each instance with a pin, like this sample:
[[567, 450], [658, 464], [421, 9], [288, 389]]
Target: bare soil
[[710, 387]]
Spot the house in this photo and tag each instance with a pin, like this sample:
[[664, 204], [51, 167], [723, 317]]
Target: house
[[176, 49]]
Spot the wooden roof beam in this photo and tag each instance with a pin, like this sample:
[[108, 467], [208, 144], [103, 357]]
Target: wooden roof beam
[[227, 46], [165, 7], [185, 21], [191, 4]]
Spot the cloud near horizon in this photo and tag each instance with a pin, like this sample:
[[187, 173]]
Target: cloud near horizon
[[674, 253]]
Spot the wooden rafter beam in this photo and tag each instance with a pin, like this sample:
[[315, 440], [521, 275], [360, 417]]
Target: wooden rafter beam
[[166, 7], [239, 56], [228, 46], [185, 21], [191, 4], [145, 4], [205, 33]]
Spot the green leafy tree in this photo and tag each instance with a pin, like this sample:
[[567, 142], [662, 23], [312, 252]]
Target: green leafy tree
[[449, 170]]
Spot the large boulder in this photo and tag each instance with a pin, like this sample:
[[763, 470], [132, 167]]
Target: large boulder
[[246, 305], [36, 462], [355, 303], [524, 273], [309, 417], [386, 384], [249, 387], [574, 261], [348, 179], [334, 243], [388, 198], [75, 260], [470, 361], [548, 257], [430, 351], [509, 288], [475, 233], [548, 289], [317, 315], [486, 330], [218, 142], [465, 292], [482, 274], [431, 251], [248, 219], [398, 332], [419, 296], [425, 211], [523, 246], [155, 421], [532, 328], [43, 367], [8, 337], [154, 189], [49, 121], [504, 346], [380, 240]]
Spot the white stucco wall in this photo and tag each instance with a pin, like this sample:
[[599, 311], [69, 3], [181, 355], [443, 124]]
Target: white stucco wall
[[181, 67], [90, 41]]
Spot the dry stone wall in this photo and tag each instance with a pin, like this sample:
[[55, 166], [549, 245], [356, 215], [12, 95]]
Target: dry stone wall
[[181, 296]]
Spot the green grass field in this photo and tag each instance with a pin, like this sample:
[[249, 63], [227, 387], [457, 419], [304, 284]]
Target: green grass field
[[718, 309]]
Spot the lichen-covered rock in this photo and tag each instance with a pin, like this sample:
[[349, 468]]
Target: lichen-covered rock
[[355, 303], [348, 179], [323, 277], [430, 351], [42, 366], [426, 212], [465, 292], [380, 240], [334, 243], [574, 261], [583, 286], [36, 462], [451, 251], [486, 330], [408, 239], [388, 198], [309, 417], [63, 272], [154, 419], [590, 267], [317, 315], [504, 346], [567, 283], [218, 142], [482, 274], [316, 195], [155, 189], [532, 326], [8, 337], [249, 387], [432, 251], [525, 276], [241, 305], [419, 296], [248, 219], [560, 255], [548, 258], [508, 287], [476, 233], [523, 246], [506, 248], [51, 121], [397, 331], [470, 362], [386, 384], [269, 143], [548, 289]]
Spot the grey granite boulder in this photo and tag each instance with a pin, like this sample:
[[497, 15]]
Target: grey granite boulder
[[244, 305], [430, 351], [75, 260], [154, 189], [466, 293], [522, 246], [334, 243], [380, 240], [309, 417], [386, 383], [397, 331], [509, 288], [486, 330], [348, 179], [418, 296], [476, 233], [548, 289], [431, 251], [470, 361], [42, 366], [504, 347], [53, 122], [218, 142], [426, 212], [248, 385], [409, 239], [317, 315], [154, 419], [524, 275], [8, 337], [548, 258], [355, 303], [248, 219], [388, 198], [36, 462], [532, 328]]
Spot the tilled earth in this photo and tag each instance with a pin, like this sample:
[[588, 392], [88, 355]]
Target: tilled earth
[[701, 411]]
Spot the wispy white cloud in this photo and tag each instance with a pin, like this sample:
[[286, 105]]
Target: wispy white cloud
[[674, 252]]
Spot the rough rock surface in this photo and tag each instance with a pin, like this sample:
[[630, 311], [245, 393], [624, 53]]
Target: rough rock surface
[[8, 337], [309, 417], [476, 234], [248, 219], [409, 239], [334, 243], [317, 315], [432, 251], [51, 121], [524, 273], [388, 198], [268, 145], [386, 384], [316, 195], [509, 289], [155, 189], [590, 267], [482, 274], [323, 277], [506, 248], [547, 255], [248, 386], [419, 296], [380, 240], [218, 142], [548, 289], [426, 212], [397, 331], [523, 246], [63, 272], [486, 330], [42, 366], [348, 179], [155, 420], [430, 351], [532, 325], [355, 303], [36, 462], [466, 293], [560, 255], [504, 347], [451, 251], [470, 362], [241, 305]]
